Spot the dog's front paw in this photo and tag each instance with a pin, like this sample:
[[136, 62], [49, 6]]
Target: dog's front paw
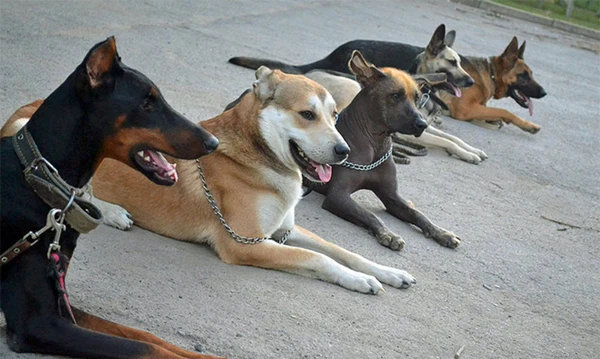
[[396, 278], [470, 157], [445, 238], [532, 128], [389, 239], [361, 282], [114, 216], [481, 154]]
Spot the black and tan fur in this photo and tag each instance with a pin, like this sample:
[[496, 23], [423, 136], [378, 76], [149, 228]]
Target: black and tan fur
[[497, 77]]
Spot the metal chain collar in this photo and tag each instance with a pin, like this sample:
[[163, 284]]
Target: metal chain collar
[[217, 211], [375, 164]]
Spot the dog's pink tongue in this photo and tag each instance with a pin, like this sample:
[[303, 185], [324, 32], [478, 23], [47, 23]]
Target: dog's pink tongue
[[167, 168], [530, 106], [456, 89], [324, 171]]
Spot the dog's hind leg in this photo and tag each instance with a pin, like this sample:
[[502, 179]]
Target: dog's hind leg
[[29, 302], [402, 210], [97, 324], [343, 206]]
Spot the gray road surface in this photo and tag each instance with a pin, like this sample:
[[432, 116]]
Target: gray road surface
[[543, 294]]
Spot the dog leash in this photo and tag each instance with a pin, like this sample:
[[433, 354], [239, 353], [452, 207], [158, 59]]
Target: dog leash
[[217, 212]]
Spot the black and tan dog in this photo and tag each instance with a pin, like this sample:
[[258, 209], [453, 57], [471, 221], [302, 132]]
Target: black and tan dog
[[497, 77], [104, 109], [438, 56], [367, 125]]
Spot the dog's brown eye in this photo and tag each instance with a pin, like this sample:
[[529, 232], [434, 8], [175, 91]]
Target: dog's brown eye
[[308, 115], [396, 96], [453, 62]]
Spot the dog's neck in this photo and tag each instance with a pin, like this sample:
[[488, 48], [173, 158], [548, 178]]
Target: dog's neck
[[359, 131], [499, 90], [64, 137], [240, 137]]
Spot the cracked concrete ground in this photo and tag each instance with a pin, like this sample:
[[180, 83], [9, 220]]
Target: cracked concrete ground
[[521, 285]]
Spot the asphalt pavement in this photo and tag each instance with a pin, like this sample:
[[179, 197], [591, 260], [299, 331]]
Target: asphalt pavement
[[524, 282]]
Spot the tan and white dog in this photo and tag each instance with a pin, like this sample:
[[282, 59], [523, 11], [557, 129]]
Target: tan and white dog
[[283, 129]]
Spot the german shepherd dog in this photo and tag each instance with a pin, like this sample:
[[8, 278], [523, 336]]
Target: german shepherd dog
[[243, 195], [438, 56], [367, 126], [497, 77], [104, 109]]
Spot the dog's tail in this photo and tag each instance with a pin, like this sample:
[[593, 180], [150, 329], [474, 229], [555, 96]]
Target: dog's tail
[[255, 63]]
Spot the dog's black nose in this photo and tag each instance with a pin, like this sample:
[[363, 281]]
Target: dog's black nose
[[420, 123], [542, 92], [470, 82], [211, 144], [341, 149]]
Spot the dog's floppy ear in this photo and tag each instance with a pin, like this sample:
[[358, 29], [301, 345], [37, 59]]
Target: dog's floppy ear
[[265, 84], [437, 41], [365, 72], [449, 39], [511, 53], [522, 50], [100, 62]]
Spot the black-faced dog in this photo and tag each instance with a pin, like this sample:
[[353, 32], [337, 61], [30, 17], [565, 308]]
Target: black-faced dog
[[104, 109], [438, 56], [385, 105]]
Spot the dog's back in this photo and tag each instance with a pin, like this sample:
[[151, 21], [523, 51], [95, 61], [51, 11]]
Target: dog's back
[[384, 53]]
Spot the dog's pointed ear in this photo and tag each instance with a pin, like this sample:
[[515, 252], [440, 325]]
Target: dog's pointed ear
[[265, 84], [511, 53], [437, 41], [365, 71], [522, 50], [430, 79], [449, 39], [101, 61]]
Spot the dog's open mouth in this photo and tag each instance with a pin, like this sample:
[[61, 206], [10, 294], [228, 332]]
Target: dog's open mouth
[[316, 172], [522, 99], [154, 165], [451, 88]]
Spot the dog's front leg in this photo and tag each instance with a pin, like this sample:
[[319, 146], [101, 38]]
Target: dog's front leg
[[272, 255], [301, 237], [342, 205], [428, 138], [402, 210], [482, 112], [460, 143]]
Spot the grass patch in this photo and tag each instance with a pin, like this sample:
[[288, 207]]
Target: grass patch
[[585, 12]]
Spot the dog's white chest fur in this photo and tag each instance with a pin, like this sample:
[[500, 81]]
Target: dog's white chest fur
[[274, 208]]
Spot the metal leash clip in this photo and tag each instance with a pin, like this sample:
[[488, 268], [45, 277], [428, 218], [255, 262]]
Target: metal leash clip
[[56, 223]]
